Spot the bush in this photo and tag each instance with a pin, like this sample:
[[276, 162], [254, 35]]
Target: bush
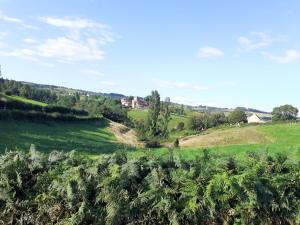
[[176, 143], [204, 121], [180, 126], [237, 116], [152, 144], [68, 188]]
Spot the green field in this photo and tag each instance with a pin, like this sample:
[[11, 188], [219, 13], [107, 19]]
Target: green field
[[285, 138], [85, 137], [24, 100], [94, 138]]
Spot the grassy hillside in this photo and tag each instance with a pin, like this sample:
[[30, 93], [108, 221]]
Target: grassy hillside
[[273, 138], [24, 100], [85, 137]]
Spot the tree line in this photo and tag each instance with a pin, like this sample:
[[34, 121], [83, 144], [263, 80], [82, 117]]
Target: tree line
[[67, 188]]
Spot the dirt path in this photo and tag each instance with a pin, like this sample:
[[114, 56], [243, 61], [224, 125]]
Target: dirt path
[[232, 136], [123, 134]]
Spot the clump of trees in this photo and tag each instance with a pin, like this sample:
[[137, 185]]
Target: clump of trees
[[155, 128], [11, 87], [61, 106], [67, 188], [204, 121], [284, 113]]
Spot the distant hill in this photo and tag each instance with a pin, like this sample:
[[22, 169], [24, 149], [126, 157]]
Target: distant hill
[[61, 89], [200, 108], [248, 111]]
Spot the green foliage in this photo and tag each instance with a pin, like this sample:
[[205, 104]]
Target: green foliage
[[166, 117], [12, 87], [237, 116], [176, 143], [153, 113], [204, 121], [284, 113], [114, 189]]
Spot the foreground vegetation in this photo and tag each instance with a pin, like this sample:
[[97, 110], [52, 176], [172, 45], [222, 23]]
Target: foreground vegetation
[[70, 189]]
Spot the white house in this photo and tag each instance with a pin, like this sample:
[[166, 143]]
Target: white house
[[254, 118]]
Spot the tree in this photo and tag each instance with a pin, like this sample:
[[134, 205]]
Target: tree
[[181, 110], [153, 113], [237, 116], [165, 117], [284, 112]]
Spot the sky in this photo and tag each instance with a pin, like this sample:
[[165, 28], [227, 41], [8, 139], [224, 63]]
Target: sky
[[197, 52]]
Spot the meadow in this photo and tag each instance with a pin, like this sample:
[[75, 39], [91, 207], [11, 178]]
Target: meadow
[[95, 138], [86, 137], [24, 100], [275, 138]]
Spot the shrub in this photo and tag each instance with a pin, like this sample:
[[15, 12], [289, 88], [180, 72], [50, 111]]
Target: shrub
[[237, 116], [180, 126], [152, 144], [176, 143]]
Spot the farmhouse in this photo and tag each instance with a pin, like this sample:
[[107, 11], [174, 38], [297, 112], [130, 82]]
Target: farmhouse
[[254, 118], [136, 102], [126, 102], [139, 103]]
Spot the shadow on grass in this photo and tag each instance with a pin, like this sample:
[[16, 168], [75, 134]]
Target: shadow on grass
[[86, 137]]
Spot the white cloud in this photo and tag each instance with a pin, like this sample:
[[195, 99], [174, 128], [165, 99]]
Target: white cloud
[[257, 40], [179, 85], [30, 40], [94, 32], [10, 19], [82, 40], [289, 56], [72, 24], [15, 20], [67, 50], [210, 52], [92, 72]]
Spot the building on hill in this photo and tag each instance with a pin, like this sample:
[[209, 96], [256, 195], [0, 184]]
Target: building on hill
[[138, 102], [126, 102], [254, 118]]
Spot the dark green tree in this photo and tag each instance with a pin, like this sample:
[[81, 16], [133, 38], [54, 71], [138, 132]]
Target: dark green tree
[[153, 113], [284, 112], [166, 117], [237, 116]]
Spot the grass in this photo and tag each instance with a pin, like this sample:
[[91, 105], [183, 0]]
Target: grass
[[227, 136], [278, 138], [86, 137], [24, 100], [93, 138]]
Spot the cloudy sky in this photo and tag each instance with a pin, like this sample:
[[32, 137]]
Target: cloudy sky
[[219, 53]]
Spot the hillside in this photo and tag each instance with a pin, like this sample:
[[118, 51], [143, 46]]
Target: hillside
[[230, 136], [60, 89], [83, 136], [21, 99], [271, 138]]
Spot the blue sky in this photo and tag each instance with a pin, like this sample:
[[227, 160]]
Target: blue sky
[[219, 53]]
